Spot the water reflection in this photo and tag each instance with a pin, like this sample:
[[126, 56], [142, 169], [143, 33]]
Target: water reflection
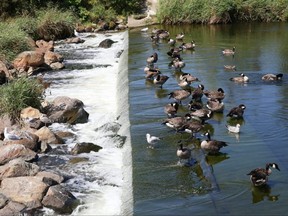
[[263, 193]]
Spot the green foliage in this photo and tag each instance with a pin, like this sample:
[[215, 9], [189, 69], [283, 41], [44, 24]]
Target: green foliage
[[202, 11], [12, 40], [19, 94]]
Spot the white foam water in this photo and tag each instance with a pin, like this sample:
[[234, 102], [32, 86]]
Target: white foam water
[[104, 182]]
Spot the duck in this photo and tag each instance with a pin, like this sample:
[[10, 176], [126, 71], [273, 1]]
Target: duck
[[177, 122], [152, 140], [259, 176], [237, 111], [174, 53], [198, 93], [154, 38], [171, 109], [180, 36], [183, 153], [152, 59], [272, 77], [189, 77], [10, 136], [192, 127], [215, 94], [230, 67], [180, 94], [212, 146], [160, 80], [164, 34], [189, 46], [144, 29], [233, 129], [229, 51], [215, 105], [151, 72], [183, 83], [240, 79]]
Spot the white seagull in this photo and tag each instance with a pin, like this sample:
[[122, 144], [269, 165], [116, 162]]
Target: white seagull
[[233, 129], [152, 140], [10, 136]]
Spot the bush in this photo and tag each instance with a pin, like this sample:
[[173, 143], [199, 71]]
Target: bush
[[19, 94]]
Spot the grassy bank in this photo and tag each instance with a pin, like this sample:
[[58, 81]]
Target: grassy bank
[[221, 11]]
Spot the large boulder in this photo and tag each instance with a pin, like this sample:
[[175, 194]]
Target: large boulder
[[44, 46], [59, 199], [54, 176], [107, 43], [47, 136], [10, 152], [67, 110], [52, 57], [28, 59], [28, 190], [12, 208], [18, 167], [85, 148], [29, 113], [28, 139]]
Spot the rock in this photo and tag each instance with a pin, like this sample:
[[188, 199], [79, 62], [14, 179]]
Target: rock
[[44, 46], [3, 201], [67, 110], [28, 59], [12, 208], [59, 199], [52, 57], [85, 148], [75, 40], [57, 178], [57, 66], [10, 152], [107, 43], [30, 112], [47, 136], [18, 167], [3, 78], [29, 140], [28, 190]]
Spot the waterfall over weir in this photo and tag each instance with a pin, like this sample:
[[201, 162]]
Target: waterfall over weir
[[98, 77]]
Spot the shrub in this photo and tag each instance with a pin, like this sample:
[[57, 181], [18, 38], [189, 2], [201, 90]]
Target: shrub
[[19, 94]]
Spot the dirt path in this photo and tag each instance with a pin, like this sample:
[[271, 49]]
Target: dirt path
[[149, 19]]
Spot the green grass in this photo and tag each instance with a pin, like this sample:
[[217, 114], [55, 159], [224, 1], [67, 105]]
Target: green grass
[[203, 11], [19, 94]]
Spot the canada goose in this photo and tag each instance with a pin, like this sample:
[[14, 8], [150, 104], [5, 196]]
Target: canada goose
[[189, 77], [152, 59], [183, 153], [188, 46], [164, 34], [240, 79], [212, 94], [174, 53], [152, 140], [10, 136], [160, 80], [177, 122], [154, 38], [237, 111], [271, 77], [259, 176], [177, 63], [184, 83], [201, 114], [151, 73], [212, 146], [230, 67], [171, 109], [229, 51], [233, 129], [192, 127], [194, 105], [171, 42], [198, 93], [180, 94], [180, 36], [215, 105]]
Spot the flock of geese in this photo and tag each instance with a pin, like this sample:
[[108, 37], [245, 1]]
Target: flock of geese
[[199, 113]]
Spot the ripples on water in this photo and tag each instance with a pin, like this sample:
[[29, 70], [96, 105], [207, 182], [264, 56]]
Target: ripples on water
[[219, 184]]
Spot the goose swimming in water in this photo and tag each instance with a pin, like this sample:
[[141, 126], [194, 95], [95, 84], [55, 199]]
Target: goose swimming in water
[[198, 93], [237, 112], [213, 94], [240, 79], [171, 109], [183, 153], [259, 176], [160, 80], [272, 77], [229, 51], [189, 77], [177, 122], [215, 105], [180, 94], [212, 146]]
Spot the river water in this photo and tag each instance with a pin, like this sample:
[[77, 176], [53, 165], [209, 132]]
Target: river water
[[132, 179]]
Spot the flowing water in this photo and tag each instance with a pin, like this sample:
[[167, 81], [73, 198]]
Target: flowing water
[[131, 179]]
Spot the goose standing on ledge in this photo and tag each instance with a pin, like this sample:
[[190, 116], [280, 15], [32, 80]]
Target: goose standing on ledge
[[259, 176]]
